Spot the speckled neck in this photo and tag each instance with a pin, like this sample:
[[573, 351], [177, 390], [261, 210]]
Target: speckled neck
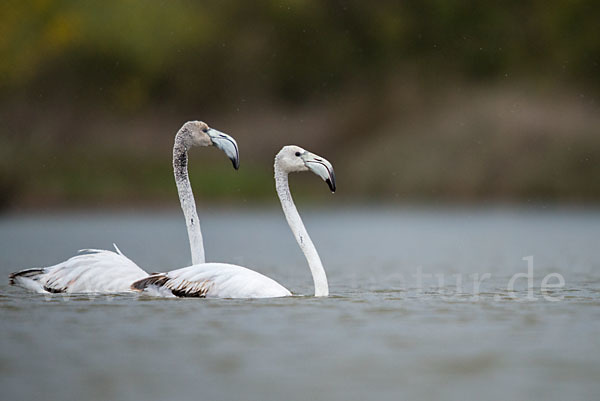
[[186, 197]]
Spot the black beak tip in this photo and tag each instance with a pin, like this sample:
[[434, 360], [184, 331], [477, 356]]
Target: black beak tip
[[236, 163], [331, 184]]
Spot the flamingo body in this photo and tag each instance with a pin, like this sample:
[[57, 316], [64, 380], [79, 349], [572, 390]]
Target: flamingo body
[[211, 280], [95, 271]]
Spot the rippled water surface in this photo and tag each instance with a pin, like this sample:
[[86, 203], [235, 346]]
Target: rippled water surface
[[385, 333]]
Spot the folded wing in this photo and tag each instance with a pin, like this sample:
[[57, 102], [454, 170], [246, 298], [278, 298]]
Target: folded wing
[[93, 271], [211, 280]]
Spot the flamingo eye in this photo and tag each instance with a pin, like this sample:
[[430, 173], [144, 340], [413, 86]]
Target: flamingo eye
[[205, 129], [298, 154]]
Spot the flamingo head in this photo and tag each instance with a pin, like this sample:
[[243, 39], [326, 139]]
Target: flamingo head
[[293, 159], [198, 133]]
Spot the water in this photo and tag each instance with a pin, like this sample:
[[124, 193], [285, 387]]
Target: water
[[380, 335]]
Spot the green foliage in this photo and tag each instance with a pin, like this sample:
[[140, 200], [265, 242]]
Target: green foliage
[[133, 52]]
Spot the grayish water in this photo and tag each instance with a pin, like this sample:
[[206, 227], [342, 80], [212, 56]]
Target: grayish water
[[380, 335]]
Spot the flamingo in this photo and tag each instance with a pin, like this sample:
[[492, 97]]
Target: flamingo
[[221, 280], [102, 271]]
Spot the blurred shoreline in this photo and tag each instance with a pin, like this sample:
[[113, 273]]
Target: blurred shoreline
[[305, 206], [464, 144]]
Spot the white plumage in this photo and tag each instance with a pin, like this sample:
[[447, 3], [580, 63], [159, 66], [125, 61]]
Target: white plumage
[[94, 271], [212, 280]]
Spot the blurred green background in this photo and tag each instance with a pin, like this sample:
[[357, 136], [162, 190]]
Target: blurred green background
[[412, 101]]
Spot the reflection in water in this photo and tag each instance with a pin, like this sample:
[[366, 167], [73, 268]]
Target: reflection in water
[[380, 334]]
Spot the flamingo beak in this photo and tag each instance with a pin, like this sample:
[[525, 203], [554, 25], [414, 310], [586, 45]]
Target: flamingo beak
[[227, 144], [320, 167]]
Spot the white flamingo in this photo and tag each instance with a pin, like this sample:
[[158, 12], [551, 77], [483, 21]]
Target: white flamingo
[[220, 280], [101, 271]]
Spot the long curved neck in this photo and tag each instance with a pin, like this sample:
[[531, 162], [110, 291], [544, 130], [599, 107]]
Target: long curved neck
[[186, 197], [302, 237]]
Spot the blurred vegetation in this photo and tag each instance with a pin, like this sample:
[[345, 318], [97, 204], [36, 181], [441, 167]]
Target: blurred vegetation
[[133, 52], [424, 99]]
